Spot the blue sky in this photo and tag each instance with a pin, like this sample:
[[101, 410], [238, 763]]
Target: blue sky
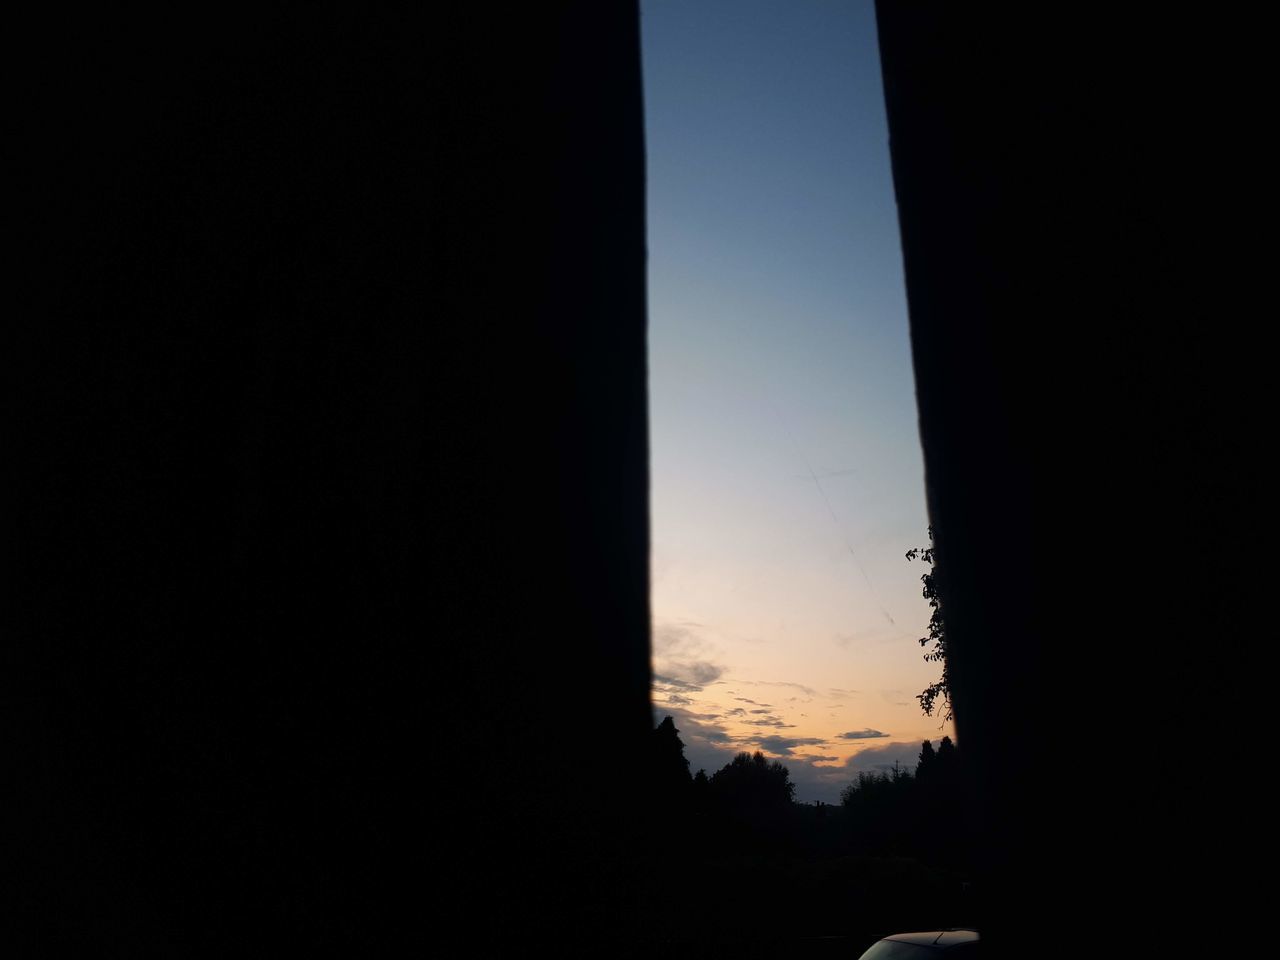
[[786, 468]]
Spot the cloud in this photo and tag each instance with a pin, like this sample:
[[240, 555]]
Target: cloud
[[882, 758], [822, 777], [736, 712], [873, 636], [692, 676], [835, 693], [678, 700], [761, 710], [769, 722], [782, 746], [807, 691], [683, 661], [896, 697], [867, 734]]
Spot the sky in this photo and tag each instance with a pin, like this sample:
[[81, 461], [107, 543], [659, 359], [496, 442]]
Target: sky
[[787, 480]]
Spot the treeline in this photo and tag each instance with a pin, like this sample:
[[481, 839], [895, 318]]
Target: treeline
[[916, 813], [749, 805]]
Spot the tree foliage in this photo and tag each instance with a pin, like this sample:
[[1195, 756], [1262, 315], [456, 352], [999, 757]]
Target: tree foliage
[[938, 694], [670, 768], [901, 812], [753, 780]]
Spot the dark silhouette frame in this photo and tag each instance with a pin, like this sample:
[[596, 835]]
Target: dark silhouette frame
[[329, 466]]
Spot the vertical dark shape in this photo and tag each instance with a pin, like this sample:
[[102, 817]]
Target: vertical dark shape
[[331, 476], [670, 767], [1091, 409]]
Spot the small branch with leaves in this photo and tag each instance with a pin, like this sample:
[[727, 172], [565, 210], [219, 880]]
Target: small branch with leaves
[[938, 694]]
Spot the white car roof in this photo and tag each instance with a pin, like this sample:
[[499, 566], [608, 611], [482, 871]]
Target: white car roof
[[939, 938]]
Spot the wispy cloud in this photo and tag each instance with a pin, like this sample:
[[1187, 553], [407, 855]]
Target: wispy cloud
[[807, 691], [896, 697], [683, 660], [691, 676]]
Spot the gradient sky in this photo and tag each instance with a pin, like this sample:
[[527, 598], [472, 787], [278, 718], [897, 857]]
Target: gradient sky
[[786, 466]]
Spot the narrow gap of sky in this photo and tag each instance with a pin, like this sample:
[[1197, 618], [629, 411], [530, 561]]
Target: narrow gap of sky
[[786, 468]]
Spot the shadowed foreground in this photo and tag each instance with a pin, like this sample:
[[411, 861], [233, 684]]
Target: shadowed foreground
[[330, 476]]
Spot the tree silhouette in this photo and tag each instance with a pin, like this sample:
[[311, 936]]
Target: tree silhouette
[[880, 811], [926, 766], [938, 694], [670, 768], [946, 755], [901, 813], [751, 780]]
